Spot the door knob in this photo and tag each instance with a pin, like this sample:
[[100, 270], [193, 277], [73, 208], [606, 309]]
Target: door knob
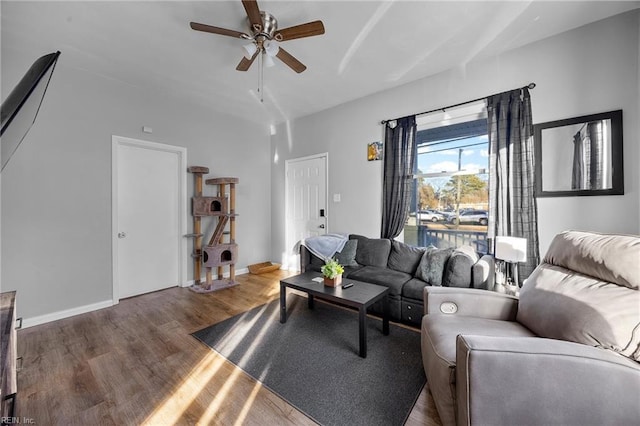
[[122, 234], [321, 226]]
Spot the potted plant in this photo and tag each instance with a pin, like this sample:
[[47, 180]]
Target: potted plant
[[332, 272]]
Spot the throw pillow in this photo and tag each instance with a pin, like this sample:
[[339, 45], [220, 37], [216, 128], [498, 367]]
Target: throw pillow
[[458, 270], [372, 251], [347, 257], [432, 265], [404, 258]]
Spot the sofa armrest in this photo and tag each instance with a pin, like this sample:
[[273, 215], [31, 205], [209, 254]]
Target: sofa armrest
[[305, 258], [531, 380], [483, 273], [470, 302]]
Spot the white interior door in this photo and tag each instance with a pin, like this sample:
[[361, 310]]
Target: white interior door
[[306, 182], [148, 212]]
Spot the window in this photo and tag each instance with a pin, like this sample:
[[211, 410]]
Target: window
[[451, 189]]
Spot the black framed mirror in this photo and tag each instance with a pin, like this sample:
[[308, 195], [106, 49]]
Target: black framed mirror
[[580, 156]]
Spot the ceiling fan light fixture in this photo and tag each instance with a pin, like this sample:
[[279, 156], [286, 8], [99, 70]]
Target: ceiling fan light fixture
[[271, 47], [263, 38], [268, 61], [251, 49]]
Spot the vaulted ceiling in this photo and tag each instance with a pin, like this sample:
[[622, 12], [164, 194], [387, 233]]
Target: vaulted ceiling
[[368, 46]]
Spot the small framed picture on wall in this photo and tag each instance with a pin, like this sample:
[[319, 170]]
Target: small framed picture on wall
[[374, 151]]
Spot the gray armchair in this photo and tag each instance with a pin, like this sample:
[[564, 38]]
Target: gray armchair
[[567, 352]]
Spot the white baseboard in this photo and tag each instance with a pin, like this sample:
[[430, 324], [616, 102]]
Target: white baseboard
[[225, 275], [54, 316]]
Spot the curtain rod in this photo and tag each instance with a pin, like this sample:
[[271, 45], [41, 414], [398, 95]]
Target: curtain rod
[[528, 86]]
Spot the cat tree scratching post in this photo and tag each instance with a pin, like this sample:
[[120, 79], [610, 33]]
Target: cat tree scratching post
[[197, 223], [217, 253], [232, 225], [225, 254], [218, 236]]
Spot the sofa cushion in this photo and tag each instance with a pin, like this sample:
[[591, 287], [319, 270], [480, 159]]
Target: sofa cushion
[[559, 303], [432, 265], [414, 289], [348, 270], [372, 251], [404, 258], [382, 276], [347, 256], [457, 273], [483, 272], [569, 296], [611, 258], [441, 331]]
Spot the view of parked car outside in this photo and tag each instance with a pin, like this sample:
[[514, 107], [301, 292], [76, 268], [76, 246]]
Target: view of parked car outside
[[430, 216], [480, 217]]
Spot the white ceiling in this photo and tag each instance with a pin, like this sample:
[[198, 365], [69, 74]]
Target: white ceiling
[[368, 46]]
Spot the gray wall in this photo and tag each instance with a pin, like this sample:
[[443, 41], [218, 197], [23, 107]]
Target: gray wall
[[587, 70], [56, 191]]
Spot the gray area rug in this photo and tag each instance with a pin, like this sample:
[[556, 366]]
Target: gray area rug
[[312, 361]]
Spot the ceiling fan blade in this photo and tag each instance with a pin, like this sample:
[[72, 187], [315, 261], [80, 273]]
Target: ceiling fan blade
[[217, 30], [292, 62], [246, 63], [299, 31], [253, 13]]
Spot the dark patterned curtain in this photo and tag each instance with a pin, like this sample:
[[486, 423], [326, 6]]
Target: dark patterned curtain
[[512, 204], [594, 129], [399, 167], [578, 175], [588, 155]]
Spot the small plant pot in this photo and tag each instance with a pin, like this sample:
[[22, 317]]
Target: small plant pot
[[333, 282]]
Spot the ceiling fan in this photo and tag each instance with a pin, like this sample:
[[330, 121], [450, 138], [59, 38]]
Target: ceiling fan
[[265, 37]]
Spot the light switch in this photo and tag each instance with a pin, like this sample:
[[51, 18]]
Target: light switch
[[336, 198]]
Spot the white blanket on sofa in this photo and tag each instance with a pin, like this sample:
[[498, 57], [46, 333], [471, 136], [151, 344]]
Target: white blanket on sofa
[[324, 246]]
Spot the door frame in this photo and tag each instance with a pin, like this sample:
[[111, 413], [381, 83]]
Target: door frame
[[287, 164], [181, 152]]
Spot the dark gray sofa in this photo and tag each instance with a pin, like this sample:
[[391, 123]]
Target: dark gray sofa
[[406, 270]]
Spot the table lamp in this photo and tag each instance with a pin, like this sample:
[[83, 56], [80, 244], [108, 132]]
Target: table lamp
[[511, 250]]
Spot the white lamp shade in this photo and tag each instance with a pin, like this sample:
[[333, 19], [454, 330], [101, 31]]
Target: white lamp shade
[[268, 61], [251, 49], [511, 249], [271, 47]]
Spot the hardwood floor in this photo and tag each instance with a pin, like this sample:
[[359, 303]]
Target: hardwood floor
[[136, 363]]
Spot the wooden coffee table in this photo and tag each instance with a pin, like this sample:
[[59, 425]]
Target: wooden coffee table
[[361, 295]]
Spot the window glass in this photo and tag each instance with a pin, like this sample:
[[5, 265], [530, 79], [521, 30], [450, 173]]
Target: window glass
[[451, 189]]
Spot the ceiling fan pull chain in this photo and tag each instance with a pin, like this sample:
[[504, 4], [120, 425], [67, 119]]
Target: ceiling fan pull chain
[[261, 81]]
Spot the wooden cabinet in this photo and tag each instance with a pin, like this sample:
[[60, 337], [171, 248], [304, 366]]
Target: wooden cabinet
[[9, 353]]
